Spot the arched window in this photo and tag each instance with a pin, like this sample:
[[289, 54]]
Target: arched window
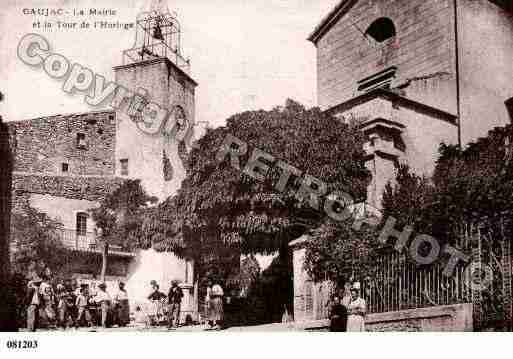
[[382, 29], [81, 223]]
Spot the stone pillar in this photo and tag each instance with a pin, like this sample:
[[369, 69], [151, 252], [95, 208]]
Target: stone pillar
[[189, 305], [303, 286], [506, 271], [477, 298], [384, 148]]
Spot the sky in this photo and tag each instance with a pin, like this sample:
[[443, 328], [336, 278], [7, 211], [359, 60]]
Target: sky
[[245, 54]]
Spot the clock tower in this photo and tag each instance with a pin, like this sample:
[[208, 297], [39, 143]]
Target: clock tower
[[156, 69]]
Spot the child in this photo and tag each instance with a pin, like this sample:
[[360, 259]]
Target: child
[[64, 306], [82, 304], [141, 319]]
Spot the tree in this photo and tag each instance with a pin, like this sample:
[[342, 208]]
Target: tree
[[120, 219], [409, 200], [470, 183], [337, 251], [220, 213], [36, 242], [36, 248]]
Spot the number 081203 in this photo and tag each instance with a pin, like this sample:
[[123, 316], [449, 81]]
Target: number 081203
[[21, 344]]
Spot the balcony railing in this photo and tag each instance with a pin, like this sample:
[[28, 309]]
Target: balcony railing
[[88, 242]]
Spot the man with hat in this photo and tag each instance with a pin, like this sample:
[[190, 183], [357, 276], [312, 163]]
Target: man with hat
[[157, 298], [34, 301], [82, 305], [103, 298], [121, 305], [175, 296]]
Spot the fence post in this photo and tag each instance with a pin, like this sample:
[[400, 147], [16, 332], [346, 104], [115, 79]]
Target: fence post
[[477, 299], [506, 270]]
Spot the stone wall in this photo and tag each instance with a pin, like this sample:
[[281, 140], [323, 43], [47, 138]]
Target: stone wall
[[447, 318], [88, 188], [43, 144]]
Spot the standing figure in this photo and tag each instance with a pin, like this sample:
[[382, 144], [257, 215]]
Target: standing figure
[[82, 304], [216, 306], [48, 311], [64, 306], [33, 301], [338, 316], [356, 310], [207, 303], [175, 296], [121, 306], [103, 299], [157, 298], [71, 298]]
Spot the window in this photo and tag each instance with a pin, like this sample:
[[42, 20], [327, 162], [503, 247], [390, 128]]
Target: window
[[81, 143], [64, 167], [382, 29], [81, 224], [124, 166], [382, 79]]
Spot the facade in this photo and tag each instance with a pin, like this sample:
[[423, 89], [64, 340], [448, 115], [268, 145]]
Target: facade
[[411, 74], [64, 165]]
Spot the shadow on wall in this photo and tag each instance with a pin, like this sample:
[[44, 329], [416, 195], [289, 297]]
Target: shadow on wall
[[7, 295]]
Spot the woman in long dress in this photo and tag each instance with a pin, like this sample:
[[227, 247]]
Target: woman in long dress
[[356, 310], [216, 306]]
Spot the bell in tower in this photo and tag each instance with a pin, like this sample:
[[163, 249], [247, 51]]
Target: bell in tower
[[158, 34]]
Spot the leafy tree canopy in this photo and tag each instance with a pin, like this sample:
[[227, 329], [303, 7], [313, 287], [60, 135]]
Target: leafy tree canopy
[[36, 242], [469, 183], [120, 215], [336, 251], [219, 209]]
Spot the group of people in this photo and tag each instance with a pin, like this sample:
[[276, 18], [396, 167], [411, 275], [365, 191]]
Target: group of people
[[165, 306], [68, 304], [348, 313]]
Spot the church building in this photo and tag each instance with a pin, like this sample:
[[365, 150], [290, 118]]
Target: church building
[[412, 74]]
